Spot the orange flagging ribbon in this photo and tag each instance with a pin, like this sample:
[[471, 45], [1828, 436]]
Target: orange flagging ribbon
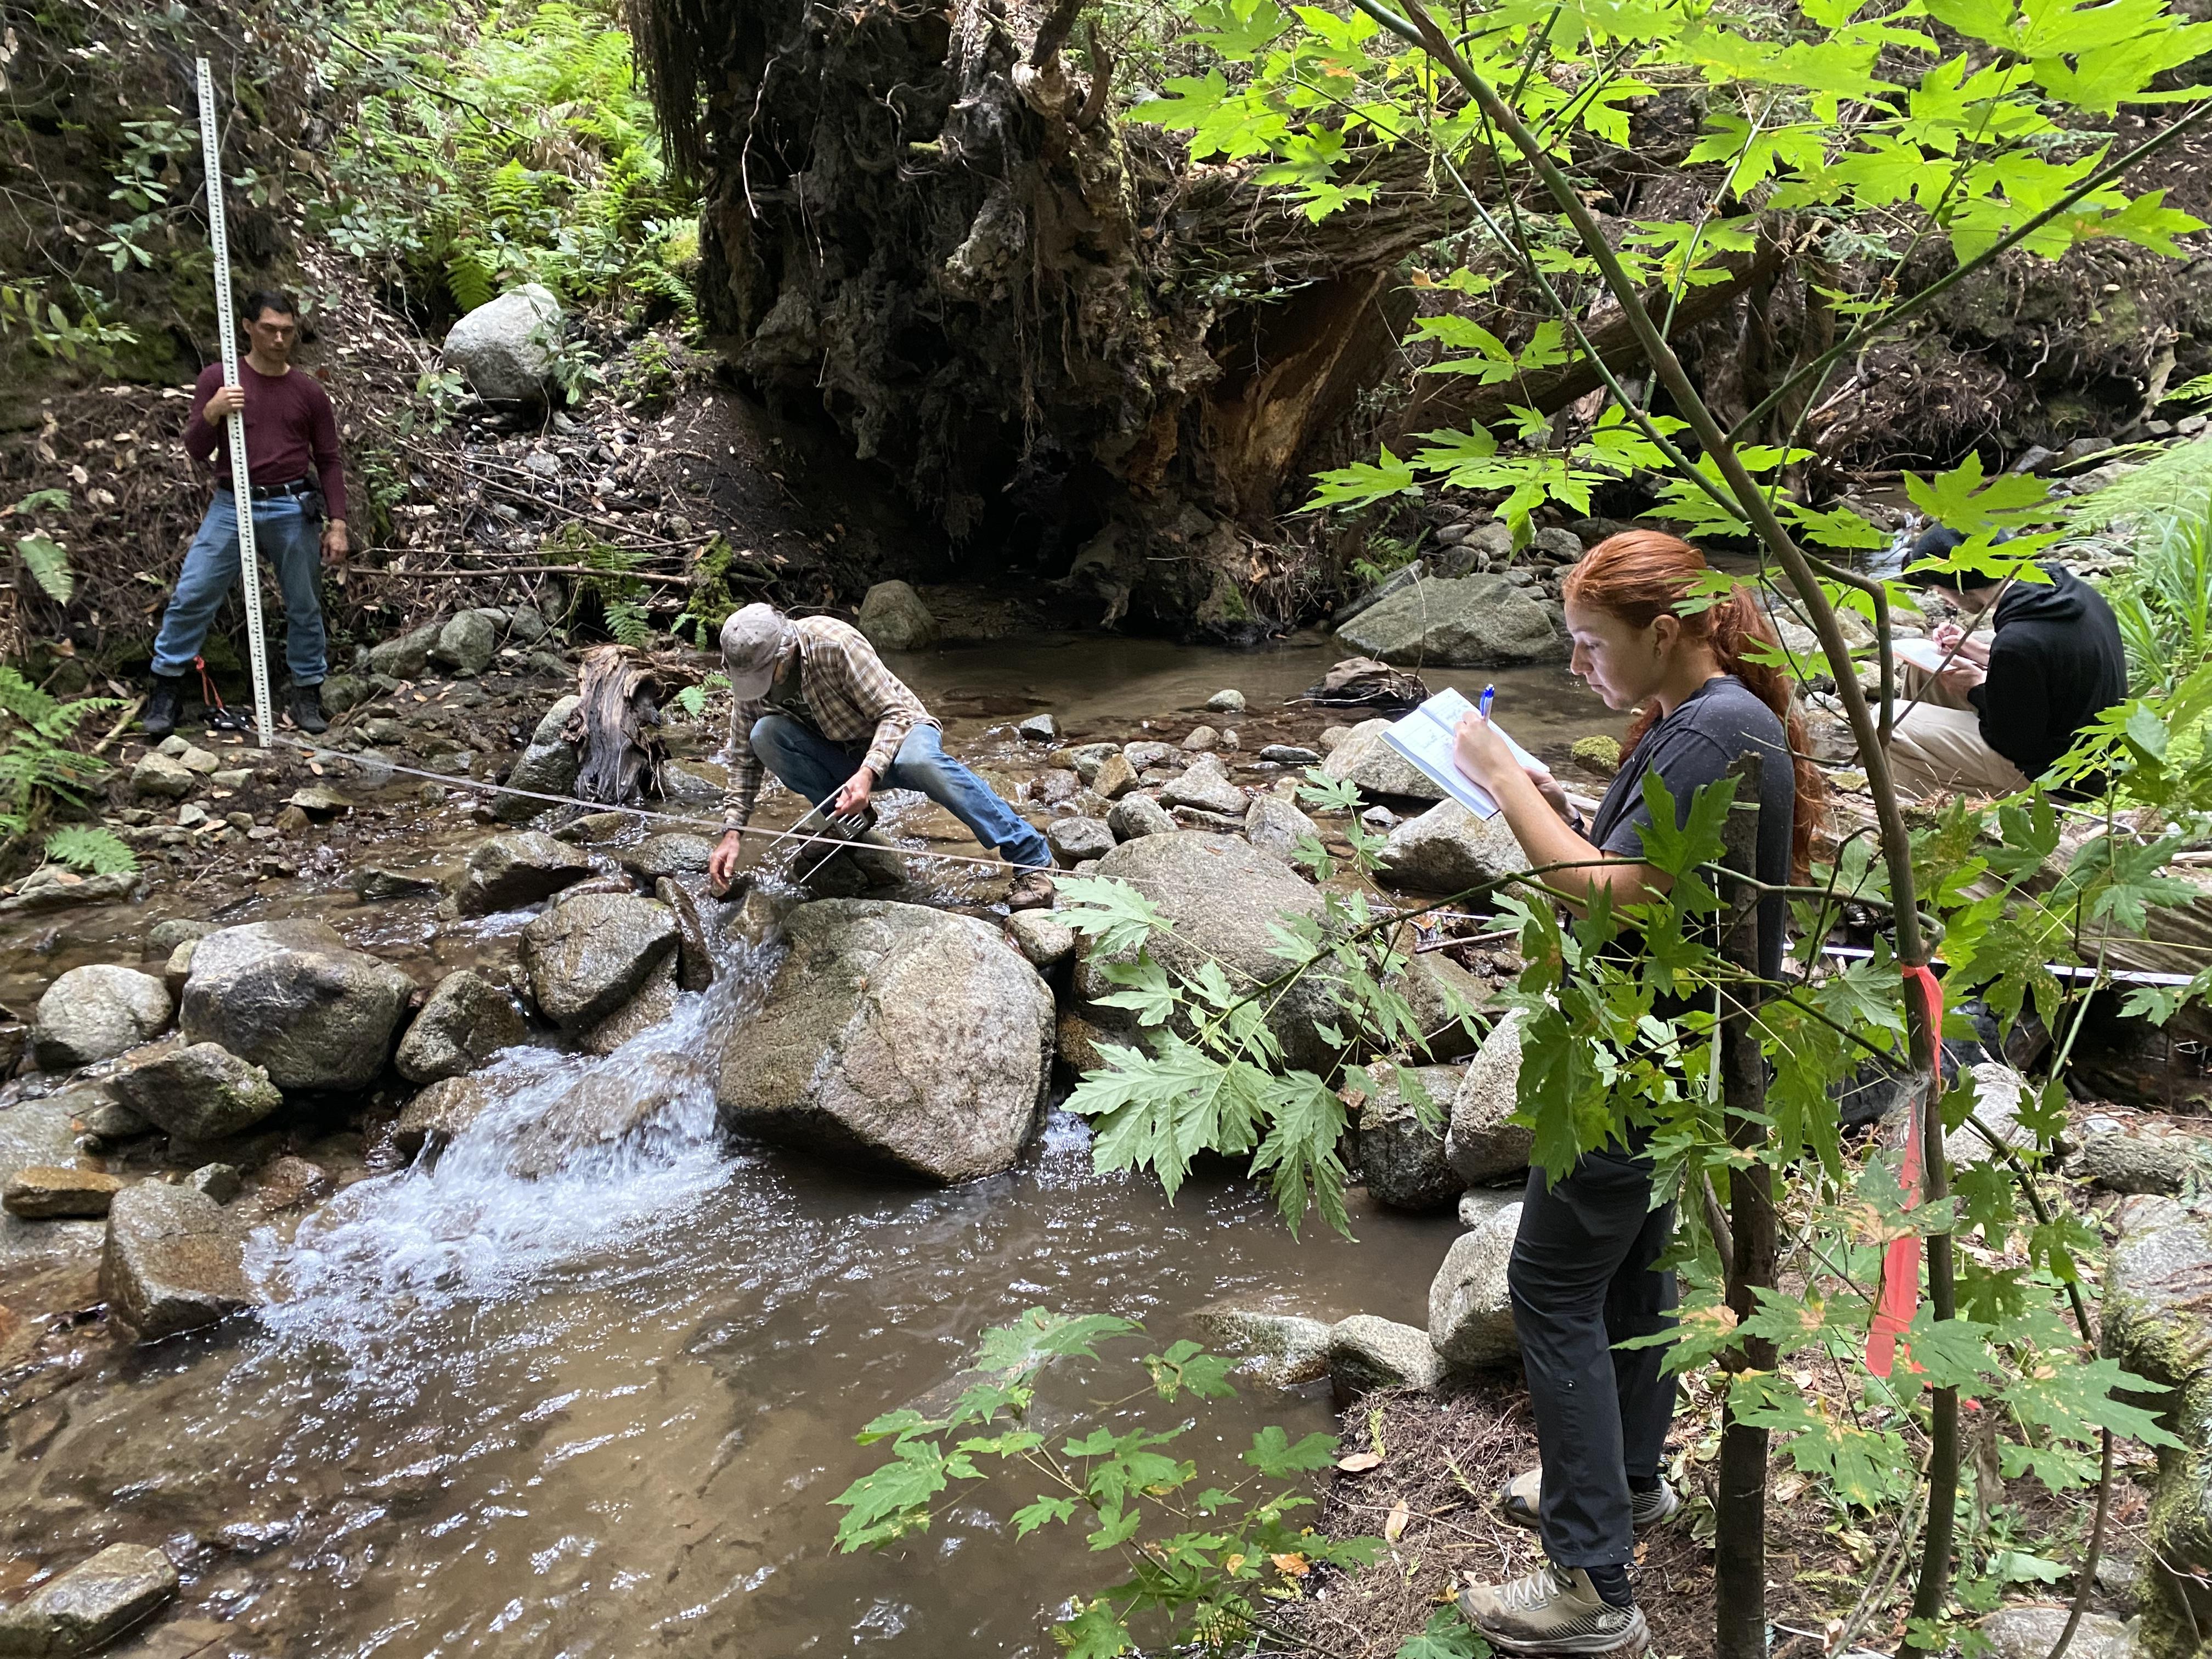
[[1900, 1264]]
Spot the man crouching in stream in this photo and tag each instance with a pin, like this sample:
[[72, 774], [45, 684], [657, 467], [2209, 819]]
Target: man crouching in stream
[[814, 704]]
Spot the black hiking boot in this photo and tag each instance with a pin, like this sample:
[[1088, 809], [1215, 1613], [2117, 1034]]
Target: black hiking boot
[[306, 708], [164, 704]]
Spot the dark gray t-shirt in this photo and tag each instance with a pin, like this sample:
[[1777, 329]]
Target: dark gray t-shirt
[[1691, 747]]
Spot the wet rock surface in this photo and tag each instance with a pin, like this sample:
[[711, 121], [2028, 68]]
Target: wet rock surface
[[95, 1013], [46, 1192], [89, 1606], [293, 998], [466, 1021], [1278, 1349], [173, 1260], [896, 1036], [590, 954], [198, 1090], [508, 871]]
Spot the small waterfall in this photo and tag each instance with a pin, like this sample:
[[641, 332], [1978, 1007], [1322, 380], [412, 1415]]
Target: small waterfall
[[575, 1152]]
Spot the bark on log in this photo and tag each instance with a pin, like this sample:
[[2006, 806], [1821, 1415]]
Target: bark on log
[[1072, 346], [616, 727]]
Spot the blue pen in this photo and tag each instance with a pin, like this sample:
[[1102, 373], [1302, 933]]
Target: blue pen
[[1489, 695]]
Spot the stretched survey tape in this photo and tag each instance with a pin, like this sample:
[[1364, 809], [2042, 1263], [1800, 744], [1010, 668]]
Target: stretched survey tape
[[241, 487]]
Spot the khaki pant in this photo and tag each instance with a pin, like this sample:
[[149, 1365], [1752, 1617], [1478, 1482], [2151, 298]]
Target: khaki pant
[[1937, 746]]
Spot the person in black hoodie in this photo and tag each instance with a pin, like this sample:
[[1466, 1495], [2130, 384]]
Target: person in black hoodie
[[2012, 702]]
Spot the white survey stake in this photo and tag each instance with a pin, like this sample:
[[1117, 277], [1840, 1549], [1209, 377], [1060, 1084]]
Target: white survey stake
[[242, 486]]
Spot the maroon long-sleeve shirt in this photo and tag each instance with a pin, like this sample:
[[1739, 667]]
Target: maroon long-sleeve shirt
[[291, 431]]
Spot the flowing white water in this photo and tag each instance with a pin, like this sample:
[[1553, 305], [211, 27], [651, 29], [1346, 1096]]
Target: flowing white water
[[575, 1152]]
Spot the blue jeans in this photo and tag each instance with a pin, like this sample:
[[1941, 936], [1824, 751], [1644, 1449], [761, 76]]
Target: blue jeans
[[817, 768], [292, 541]]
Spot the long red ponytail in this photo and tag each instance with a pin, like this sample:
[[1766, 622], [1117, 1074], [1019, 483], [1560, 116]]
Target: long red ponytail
[[1642, 574]]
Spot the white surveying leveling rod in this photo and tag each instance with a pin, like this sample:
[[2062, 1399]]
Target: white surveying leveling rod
[[242, 486]]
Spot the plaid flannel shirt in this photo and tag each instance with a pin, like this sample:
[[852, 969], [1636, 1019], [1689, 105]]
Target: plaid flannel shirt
[[850, 696]]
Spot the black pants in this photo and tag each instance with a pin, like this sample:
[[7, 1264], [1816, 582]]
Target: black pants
[[1581, 1279]]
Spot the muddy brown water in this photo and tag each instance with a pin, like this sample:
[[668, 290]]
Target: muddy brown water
[[601, 1410]]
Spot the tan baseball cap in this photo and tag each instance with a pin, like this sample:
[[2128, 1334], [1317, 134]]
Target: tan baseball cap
[[753, 640]]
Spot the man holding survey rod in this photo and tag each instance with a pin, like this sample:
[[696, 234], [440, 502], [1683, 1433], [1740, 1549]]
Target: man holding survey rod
[[1584, 1273]]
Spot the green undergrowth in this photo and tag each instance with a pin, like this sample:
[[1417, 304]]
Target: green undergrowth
[[499, 145]]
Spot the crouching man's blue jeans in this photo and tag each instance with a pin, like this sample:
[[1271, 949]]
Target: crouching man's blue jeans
[[289, 538], [817, 768]]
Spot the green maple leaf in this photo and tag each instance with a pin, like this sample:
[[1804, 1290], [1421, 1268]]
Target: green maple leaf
[[1277, 1457], [1967, 500], [1446, 1636]]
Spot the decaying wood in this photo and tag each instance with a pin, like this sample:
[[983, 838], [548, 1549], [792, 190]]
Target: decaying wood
[[1072, 346], [616, 727], [1364, 682]]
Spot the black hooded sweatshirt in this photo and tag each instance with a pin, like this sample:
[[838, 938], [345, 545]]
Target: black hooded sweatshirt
[[2056, 663]]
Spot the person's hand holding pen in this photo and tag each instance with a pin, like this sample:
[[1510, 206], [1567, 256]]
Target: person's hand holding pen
[[1481, 752], [1955, 641]]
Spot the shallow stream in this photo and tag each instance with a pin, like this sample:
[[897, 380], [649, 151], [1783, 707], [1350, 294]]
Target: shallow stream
[[601, 1410], [589, 1390]]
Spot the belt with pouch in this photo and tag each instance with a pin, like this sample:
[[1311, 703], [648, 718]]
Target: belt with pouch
[[293, 490]]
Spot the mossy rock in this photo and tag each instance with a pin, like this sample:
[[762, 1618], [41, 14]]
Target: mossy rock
[[1600, 754]]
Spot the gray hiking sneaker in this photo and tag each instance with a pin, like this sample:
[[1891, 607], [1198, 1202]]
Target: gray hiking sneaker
[[1645, 1508], [1554, 1610]]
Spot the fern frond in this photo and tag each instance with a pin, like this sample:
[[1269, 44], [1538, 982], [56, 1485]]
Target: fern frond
[[92, 848], [47, 561], [628, 622], [18, 697]]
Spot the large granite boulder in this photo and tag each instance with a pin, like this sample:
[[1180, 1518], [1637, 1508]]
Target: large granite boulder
[[1402, 1159], [589, 955], [893, 618], [294, 999], [505, 347], [1367, 1352], [94, 1014], [1447, 850], [1224, 897], [466, 1021], [1470, 1308], [547, 766], [1371, 766], [2026, 1632], [1484, 1148], [521, 867], [174, 1261], [90, 1605], [1476, 622], [897, 1035], [197, 1091]]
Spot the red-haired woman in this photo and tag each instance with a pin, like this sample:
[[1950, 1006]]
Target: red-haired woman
[[1647, 635]]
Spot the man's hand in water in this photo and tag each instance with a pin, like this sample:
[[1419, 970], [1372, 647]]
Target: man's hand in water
[[722, 862]]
